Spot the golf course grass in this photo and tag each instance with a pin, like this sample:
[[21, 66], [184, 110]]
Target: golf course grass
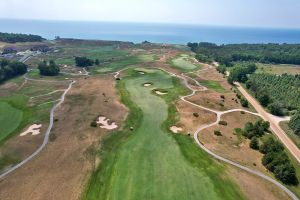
[[10, 119], [149, 162], [183, 63], [213, 85]]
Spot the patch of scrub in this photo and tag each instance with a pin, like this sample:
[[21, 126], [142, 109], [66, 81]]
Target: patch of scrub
[[104, 123], [175, 129], [34, 129], [10, 119]]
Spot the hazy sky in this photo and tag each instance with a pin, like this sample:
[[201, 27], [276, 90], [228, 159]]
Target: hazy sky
[[265, 13]]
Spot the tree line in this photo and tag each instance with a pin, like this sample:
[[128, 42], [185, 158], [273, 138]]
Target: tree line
[[263, 53], [275, 158], [9, 69], [13, 38], [276, 92], [86, 62]]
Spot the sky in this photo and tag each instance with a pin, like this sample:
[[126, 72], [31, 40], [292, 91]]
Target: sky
[[252, 13]]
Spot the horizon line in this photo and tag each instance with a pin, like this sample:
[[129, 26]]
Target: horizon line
[[155, 22]]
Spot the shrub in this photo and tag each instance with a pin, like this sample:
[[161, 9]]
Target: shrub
[[48, 68], [276, 108], [196, 114], [83, 62], [254, 144], [217, 133], [224, 123], [222, 97], [244, 103], [93, 124]]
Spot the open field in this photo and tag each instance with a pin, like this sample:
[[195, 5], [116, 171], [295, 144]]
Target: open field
[[232, 144], [151, 153], [62, 169], [278, 69]]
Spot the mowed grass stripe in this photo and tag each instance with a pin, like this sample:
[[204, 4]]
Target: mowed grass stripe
[[151, 163], [10, 119]]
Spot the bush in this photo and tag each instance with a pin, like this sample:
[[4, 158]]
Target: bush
[[94, 124], [263, 98], [48, 69], [195, 114], [224, 123], [254, 144], [276, 108], [83, 62], [222, 97], [217, 133], [244, 103]]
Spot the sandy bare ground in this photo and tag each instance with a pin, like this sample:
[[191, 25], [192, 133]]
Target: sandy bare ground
[[175, 129], [104, 123], [274, 124], [63, 168], [160, 93], [33, 129]]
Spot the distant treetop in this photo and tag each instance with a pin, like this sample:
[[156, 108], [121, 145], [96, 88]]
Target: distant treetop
[[13, 38]]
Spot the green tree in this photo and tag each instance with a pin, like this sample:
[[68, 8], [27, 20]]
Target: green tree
[[254, 144], [83, 62], [276, 108], [295, 123], [244, 103], [48, 68]]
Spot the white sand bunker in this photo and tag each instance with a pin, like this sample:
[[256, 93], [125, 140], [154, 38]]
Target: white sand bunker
[[140, 72], [147, 84], [160, 92], [33, 129], [175, 129], [104, 123]]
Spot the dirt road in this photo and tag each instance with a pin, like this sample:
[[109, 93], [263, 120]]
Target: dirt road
[[273, 124]]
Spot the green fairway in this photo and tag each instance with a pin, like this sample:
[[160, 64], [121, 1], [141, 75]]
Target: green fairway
[[183, 62], [149, 163], [214, 85], [10, 119]]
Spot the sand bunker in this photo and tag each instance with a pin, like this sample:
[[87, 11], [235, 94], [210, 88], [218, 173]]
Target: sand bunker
[[140, 72], [33, 129], [147, 84], [175, 129], [104, 123], [160, 92]]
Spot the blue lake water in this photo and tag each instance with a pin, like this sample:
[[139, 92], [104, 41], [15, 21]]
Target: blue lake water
[[160, 33]]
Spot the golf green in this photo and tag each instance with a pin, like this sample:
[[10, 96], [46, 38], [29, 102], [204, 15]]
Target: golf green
[[182, 62]]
